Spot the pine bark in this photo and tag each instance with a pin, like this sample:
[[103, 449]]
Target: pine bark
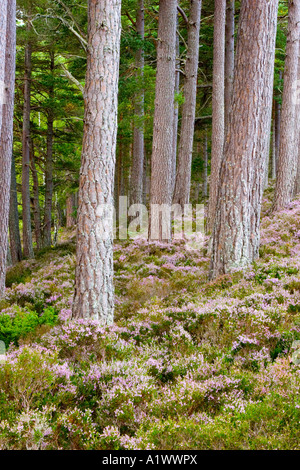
[[8, 9], [14, 226], [288, 151], [70, 207], [36, 199], [176, 111], [229, 56], [205, 166], [235, 241], [49, 162], [162, 148], [185, 150], [27, 235], [138, 131], [94, 292], [218, 109]]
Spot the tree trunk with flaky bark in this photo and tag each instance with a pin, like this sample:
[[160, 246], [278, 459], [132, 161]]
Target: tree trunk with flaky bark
[[218, 111], [176, 111], [205, 166], [185, 150], [8, 29], [49, 162], [94, 292], [36, 199], [288, 153], [163, 128], [235, 240], [14, 226], [26, 217], [138, 131], [70, 208], [229, 56]]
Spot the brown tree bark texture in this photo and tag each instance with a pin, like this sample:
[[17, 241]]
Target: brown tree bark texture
[[235, 239], [26, 217], [94, 292], [6, 137], [288, 150], [138, 131], [163, 128], [185, 149], [218, 109]]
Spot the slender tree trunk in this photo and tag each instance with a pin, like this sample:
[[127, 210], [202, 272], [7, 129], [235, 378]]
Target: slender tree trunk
[[218, 103], [138, 132], [205, 166], [27, 235], [6, 109], [14, 227], [229, 56], [49, 162], [94, 292], [185, 151], [70, 207], [273, 166], [286, 171], [176, 111], [36, 199], [235, 240], [163, 128], [277, 125]]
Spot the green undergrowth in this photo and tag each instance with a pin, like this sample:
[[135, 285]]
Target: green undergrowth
[[189, 363]]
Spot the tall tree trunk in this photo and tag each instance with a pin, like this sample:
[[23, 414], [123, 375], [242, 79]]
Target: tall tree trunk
[[218, 103], [277, 125], [27, 235], [36, 199], [163, 128], [185, 150], [176, 111], [14, 226], [273, 162], [205, 166], [94, 292], [49, 161], [229, 56], [286, 170], [235, 240], [6, 109], [3, 24], [297, 134], [138, 131], [70, 207]]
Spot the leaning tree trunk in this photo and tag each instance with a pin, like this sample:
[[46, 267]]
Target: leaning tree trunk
[[229, 57], [218, 111], [288, 150], [138, 131], [185, 150], [6, 140], [162, 148], [235, 240], [14, 226], [49, 161], [94, 292], [27, 235]]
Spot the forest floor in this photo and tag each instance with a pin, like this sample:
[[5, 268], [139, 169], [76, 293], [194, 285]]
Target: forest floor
[[188, 364]]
